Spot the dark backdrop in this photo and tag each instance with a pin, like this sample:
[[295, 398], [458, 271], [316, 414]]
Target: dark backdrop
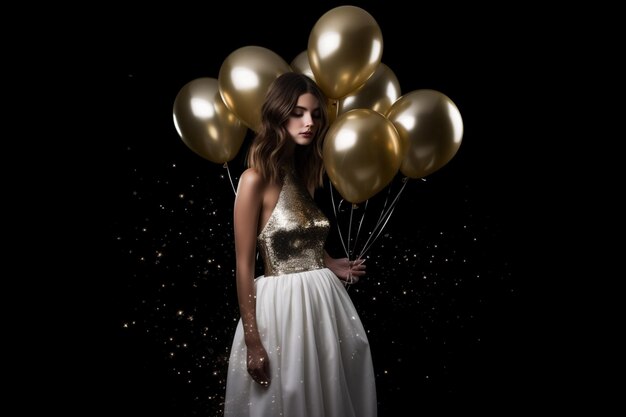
[[444, 302]]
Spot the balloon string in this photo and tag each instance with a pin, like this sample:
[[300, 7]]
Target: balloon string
[[350, 230], [332, 200], [358, 232], [339, 205], [378, 222], [350, 281], [232, 184], [381, 218], [380, 227], [386, 216], [366, 248], [382, 211]]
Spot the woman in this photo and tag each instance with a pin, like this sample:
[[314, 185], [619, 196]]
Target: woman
[[300, 349]]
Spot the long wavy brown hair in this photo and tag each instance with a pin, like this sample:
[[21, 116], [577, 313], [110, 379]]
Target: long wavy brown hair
[[267, 151]]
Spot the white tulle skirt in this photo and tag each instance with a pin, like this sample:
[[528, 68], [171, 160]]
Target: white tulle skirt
[[320, 358]]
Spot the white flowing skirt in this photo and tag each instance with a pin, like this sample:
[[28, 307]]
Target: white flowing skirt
[[320, 360]]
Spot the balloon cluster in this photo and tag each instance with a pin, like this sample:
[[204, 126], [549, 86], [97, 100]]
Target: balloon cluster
[[375, 131]]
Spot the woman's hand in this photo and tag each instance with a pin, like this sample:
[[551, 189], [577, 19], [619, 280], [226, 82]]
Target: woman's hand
[[347, 271], [259, 365]]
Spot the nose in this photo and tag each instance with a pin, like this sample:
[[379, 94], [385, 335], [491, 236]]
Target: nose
[[308, 121]]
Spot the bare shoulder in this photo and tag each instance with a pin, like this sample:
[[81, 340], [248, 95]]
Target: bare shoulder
[[251, 177], [251, 182]]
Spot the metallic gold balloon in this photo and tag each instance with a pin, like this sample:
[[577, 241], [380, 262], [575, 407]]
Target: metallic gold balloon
[[362, 154], [344, 49], [300, 64], [205, 124], [431, 126], [244, 77], [378, 93]]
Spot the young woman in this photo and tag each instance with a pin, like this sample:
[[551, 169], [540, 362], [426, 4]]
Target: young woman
[[300, 349]]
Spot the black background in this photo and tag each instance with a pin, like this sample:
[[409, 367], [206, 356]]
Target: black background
[[445, 304]]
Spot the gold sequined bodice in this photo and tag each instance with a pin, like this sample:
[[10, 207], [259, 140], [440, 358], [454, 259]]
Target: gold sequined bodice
[[293, 238]]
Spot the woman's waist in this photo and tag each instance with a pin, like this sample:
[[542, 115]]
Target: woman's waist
[[273, 269]]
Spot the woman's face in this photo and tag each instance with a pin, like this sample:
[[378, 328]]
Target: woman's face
[[304, 119]]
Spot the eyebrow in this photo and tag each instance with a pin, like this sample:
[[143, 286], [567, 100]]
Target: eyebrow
[[304, 108]]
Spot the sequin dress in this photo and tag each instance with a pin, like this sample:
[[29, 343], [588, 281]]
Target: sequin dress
[[320, 359]]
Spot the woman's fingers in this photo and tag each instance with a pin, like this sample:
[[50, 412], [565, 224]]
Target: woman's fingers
[[260, 377], [259, 367], [358, 267]]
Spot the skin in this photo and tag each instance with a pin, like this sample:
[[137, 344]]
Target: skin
[[254, 204]]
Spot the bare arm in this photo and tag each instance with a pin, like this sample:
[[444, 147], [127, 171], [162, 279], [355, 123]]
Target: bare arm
[[346, 270], [248, 205]]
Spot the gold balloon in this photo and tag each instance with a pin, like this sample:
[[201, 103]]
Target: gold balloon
[[431, 126], [244, 77], [344, 49], [362, 154], [300, 64], [378, 93], [205, 124]]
